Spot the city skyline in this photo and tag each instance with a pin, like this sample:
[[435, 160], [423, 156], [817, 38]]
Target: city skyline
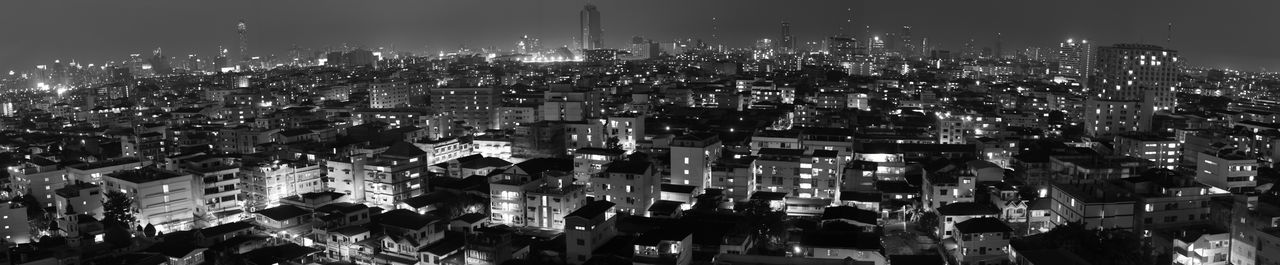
[[716, 132], [88, 34]]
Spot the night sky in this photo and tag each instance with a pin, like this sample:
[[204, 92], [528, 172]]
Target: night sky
[[1239, 34]]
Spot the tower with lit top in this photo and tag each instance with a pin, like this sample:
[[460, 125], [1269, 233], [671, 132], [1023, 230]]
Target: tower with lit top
[[243, 31]]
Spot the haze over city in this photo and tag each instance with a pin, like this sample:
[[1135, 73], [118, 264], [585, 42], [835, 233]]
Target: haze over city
[[1231, 34]]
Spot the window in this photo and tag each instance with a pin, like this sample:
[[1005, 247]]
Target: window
[[582, 242]]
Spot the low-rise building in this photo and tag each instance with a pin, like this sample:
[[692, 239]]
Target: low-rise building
[[982, 241], [162, 198], [588, 228], [632, 185], [666, 246]]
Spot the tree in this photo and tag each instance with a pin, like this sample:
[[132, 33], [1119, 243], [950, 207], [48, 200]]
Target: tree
[[613, 143], [118, 208], [928, 222], [149, 231]]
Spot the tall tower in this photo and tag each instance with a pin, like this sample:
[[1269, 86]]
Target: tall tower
[[591, 32], [907, 43], [787, 42], [999, 52], [715, 32], [243, 31]]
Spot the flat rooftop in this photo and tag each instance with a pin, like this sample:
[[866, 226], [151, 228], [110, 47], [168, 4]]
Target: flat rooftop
[[144, 175]]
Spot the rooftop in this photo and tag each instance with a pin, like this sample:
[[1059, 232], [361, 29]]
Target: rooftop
[[144, 175], [677, 188], [107, 163], [599, 151], [1055, 256], [851, 213], [664, 206], [282, 254], [628, 167], [406, 219], [653, 237], [983, 225], [226, 228], [968, 208], [592, 209], [283, 212], [471, 218]]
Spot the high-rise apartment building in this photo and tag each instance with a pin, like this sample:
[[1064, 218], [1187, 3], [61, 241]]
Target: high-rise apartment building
[[592, 35], [1132, 83], [786, 41]]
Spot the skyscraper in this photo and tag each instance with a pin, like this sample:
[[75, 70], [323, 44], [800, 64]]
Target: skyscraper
[[243, 31], [786, 41], [591, 33], [1133, 83], [999, 52], [907, 43], [159, 63]]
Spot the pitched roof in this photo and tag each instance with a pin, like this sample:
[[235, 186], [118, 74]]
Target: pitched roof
[[403, 149], [406, 219], [282, 212], [981, 164], [471, 218], [535, 167], [445, 246], [226, 228], [278, 254], [343, 207], [983, 225], [851, 213], [664, 206], [352, 230], [427, 199]]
